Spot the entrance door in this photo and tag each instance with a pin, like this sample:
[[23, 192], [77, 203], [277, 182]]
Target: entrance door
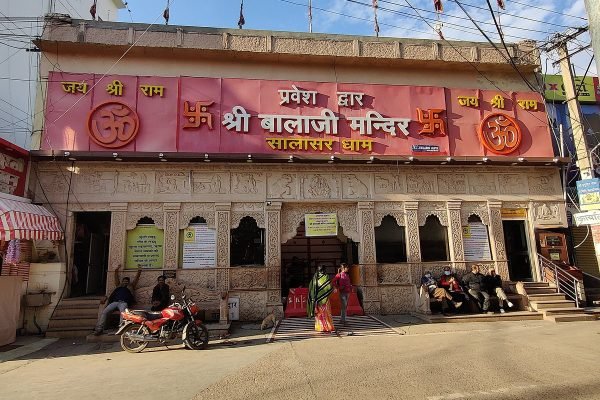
[[95, 268], [517, 250]]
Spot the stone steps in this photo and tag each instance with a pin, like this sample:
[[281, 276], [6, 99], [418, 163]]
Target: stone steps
[[70, 332], [67, 322], [571, 317], [465, 318], [564, 310], [74, 317], [540, 290], [546, 297], [539, 305]]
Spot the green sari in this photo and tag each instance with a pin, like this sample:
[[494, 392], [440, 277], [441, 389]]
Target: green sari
[[319, 290]]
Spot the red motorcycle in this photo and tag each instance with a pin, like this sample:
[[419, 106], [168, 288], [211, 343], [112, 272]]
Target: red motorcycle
[[140, 327]]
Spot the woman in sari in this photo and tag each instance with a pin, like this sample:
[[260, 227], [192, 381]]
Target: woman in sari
[[319, 290]]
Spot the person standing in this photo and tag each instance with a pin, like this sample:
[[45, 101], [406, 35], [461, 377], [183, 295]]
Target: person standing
[[476, 285], [344, 286], [160, 295], [494, 285], [319, 290], [120, 299]]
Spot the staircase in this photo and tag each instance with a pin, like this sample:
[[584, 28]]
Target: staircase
[[75, 317], [544, 298]]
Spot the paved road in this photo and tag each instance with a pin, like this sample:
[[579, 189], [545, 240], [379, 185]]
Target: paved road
[[505, 360]]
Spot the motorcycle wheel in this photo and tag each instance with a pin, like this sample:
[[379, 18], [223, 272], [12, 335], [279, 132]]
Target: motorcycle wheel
[[131, 345], [196, 337]]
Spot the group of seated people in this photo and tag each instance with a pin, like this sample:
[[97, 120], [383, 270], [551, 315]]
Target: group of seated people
[[454, 293], [122, 297]]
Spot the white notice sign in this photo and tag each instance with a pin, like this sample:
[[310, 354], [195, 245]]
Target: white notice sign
[[199, 246], [476, 242]]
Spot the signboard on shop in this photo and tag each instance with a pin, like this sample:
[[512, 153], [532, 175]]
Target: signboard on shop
[[587, 218], [513, 212], [588, 191], [251, 116], [320, 225], [589, 89]]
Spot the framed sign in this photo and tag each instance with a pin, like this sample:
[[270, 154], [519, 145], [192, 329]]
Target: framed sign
[[321, 225], [476, 242], [145, 247], [199, 246]]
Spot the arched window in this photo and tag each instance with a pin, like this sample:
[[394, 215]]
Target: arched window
[[247, 243], [390, 241], [198, 245], [476, 240], [434, 240], [145, 245]]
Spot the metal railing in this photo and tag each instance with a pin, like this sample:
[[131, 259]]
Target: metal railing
[[565, 283]]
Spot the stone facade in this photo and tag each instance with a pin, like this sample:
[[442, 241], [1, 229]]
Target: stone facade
[[278, 197]]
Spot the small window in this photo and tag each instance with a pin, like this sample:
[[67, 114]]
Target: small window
[[434, 240], [390, 241], [247, 243]]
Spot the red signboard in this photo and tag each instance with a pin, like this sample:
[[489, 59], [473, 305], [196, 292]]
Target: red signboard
[[13, 168], [85, 112]]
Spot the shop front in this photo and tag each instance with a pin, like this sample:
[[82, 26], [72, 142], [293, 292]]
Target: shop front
[[240, 184]]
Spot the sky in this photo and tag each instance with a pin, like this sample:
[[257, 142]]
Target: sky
[[520, 21]]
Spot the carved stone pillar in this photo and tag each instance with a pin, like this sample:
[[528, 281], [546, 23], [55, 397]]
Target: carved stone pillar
[[457, 251], [222, 218], [171, 225], [118, 238], [497, 238], [273, 254], [411, 222], [367, 257]]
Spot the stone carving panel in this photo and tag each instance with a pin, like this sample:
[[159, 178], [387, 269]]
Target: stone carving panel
[[171, 248], [397, 299], [412, 235], [135, 182], [172, 182], [542, 184], [54, 183], [482, 184], [449, 184], [293, 214], [95, 182], [472, 208], [498, 233], [512, 184], [355, 186], [248, 183], [273, 243], [388, 274], [199, 278], [247, 278], [420, 183], [433, 208], [253, 305], [282, 186], [140, 210], [321, 186], [548, 214], [192, 210], [223, 236], [367, 247], [210, 182], [390, 183]]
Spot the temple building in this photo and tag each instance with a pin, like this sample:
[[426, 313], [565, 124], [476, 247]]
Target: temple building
[[237, 161]]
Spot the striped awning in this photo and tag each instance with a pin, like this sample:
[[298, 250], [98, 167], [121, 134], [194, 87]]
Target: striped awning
[[19, 220]]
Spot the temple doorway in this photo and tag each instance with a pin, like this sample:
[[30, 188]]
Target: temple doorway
[[90, 253], [301, 255]]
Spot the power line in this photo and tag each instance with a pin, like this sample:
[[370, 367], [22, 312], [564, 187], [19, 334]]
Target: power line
[[546, 9]]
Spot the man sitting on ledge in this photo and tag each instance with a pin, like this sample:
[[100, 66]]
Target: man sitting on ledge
[[429, 282], [120, 299], [474, 281], [494, 286]]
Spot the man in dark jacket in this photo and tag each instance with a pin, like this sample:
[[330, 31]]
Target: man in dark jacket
[[119, 299], [160, 295], [475, 282]]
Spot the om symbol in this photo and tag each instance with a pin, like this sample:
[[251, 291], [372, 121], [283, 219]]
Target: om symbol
[[113, 124], [500, 133]]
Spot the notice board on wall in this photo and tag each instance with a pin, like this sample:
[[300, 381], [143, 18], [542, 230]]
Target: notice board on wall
[[199, 246], [476, 242], [145, 247], [317, 225]]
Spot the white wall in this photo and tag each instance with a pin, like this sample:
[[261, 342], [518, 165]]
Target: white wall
[[18, 67]]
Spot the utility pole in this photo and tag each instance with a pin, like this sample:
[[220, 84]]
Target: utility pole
[[581, 147], [593, 11]]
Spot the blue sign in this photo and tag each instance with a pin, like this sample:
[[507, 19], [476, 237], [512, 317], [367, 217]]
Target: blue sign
[[425, 148], [588, 191]]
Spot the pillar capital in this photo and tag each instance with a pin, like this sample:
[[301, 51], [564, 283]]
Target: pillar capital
[[223, 206], [273, 205], [411, 205], [494, 204], [453, 204], [116, 207], [171, 207]]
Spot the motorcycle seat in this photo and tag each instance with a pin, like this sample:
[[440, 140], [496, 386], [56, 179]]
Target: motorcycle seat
[[149, 315]]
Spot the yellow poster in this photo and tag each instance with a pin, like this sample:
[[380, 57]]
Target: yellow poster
[[466, 231], [189, 235], [145, 247], [513, 212], [321, 224], [555, 91]]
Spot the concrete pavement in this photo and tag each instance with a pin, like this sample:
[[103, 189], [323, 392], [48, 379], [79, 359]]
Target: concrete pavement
[[503, 360]]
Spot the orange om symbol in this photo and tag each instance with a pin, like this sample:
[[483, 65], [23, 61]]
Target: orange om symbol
[[113, 124], [500, 134]]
